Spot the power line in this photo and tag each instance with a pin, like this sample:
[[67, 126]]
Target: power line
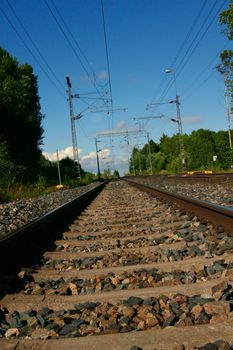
[[183, 43], [180, 67], [73, 37], [200, 39], [108, 65], [71, 46], [31, 52], [189, 33], [34, 45], [198, 77], [199, 86], [170, 83]]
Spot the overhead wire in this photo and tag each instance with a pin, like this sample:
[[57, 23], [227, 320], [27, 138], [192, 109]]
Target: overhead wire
[[183, 43], [199, 86], [71, 46], [189, 33], [200, 39], [186, 57], [171, 82], [74, 39], [108, 64], [198, 77], [31, 52], [34, 45]]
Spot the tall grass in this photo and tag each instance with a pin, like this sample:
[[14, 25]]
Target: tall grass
[[16, 191]]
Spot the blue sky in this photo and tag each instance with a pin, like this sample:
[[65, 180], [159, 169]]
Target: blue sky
[[144, 37]]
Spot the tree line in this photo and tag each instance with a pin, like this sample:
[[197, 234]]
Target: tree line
[[226, 66], [200, 147], [21, 131]]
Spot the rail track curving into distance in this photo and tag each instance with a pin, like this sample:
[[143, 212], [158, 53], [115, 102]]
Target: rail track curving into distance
[[136, 268]]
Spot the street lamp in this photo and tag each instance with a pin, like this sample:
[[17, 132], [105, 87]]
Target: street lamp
[[179, 123]]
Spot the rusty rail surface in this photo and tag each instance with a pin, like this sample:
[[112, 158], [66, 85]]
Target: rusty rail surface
[[209, 178], [215, 214]]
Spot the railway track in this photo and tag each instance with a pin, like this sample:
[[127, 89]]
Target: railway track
[[130, 272], [190, 178]]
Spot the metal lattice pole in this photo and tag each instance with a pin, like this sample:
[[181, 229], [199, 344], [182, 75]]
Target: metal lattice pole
[[73, 131]]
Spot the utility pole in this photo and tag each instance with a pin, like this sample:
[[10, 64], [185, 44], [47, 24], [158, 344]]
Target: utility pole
[[177, 102], [58, 168], [181, 141], [227, 111], [149, 150], [73, 131], [97, 158]]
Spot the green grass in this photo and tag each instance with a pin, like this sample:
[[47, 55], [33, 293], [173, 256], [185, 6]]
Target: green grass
[[18, 191]]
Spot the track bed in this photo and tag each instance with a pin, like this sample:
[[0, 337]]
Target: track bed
[[131, 272]]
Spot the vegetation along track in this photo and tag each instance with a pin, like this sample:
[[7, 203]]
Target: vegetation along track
[[130, 272]]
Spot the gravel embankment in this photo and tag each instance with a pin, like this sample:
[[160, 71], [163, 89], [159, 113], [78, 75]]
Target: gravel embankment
[[18, 213], [216, 193], [130, 315]]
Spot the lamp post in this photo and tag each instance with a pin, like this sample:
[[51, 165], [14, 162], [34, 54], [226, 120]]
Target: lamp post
[[179, 122]]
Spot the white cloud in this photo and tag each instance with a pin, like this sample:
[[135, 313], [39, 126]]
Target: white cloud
[[192, 120], [89, 161], [67, 152], [92, 155]]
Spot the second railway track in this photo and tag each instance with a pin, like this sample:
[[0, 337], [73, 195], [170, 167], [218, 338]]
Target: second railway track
[[130, 272]]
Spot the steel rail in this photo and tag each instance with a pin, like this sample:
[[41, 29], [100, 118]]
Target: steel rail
[[14, 246], [221, 217], [212, 178]]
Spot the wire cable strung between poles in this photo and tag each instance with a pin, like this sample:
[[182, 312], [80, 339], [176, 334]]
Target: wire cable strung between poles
[[31, 52], [183, 44], [75, 40], [71, 46], [34, 45], [170, 83], [108, 65], [187, 56]]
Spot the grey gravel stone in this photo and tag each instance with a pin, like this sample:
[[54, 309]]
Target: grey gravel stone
[[15, 214]]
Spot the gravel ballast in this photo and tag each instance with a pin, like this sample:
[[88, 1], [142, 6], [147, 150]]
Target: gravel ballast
[[15, 214], [216, 193]]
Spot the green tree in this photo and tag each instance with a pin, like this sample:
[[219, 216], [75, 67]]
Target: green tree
[[69, 169], [226, 20], [201, 148], [134, 162], [7, 172], [222, 148], [170, 145], [48, 170], [159, 162], [116, 174], [20, 114]]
